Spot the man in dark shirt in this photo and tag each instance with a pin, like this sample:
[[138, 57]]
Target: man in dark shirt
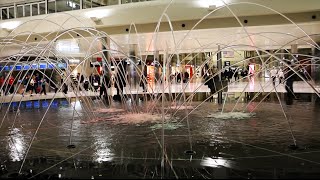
[[290, 75]]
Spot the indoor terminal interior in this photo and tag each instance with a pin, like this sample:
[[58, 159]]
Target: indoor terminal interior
[[159, 89]]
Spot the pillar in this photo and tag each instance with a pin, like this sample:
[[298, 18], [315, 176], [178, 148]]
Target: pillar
[[106, 55], [294, 49]]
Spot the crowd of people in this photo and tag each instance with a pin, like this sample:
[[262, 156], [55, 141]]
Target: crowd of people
[[38, 84], [30, 84]]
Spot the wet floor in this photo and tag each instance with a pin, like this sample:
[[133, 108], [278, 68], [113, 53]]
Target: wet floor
[[115, 143]]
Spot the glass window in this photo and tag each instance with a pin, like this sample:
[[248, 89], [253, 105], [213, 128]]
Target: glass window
[[4, 13], [112, 2], [86, 4], [64, 5], [27, 10], [34, 9], [42, 7], [51, 6], [19, 11], [11, 12]]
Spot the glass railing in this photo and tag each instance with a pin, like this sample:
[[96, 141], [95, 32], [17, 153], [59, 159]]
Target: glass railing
[[26, 9]]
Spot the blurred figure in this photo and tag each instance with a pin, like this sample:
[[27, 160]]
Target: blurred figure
[[289, 85], [143, 79], [273, 75], [186, 77], [31, 86], [80, 79], [43, 84], [37, 83], [178, 77], [96, 82], [281, 76], [212, 81], [120, 78], [105, 84], [86, 85], [1, 84], [11, 84]]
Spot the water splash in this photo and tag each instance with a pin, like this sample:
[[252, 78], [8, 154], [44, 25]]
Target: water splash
[[231, 115], [167, 126], [119, 117], [108, 110]]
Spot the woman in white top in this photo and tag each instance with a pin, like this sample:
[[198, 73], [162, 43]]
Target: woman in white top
[[273, 74], [31, 85], [281, 76]]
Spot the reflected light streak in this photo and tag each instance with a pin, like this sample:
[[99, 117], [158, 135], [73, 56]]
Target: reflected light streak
[[209, 162], [103, 152], [16, 145]]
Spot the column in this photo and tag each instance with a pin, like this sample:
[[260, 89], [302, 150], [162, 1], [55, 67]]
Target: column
[[15, 10], [106, 55], [46, 6], [294, 49], [81, 4]]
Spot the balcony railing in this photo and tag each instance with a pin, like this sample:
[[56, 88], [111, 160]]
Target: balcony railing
[[26, 9]]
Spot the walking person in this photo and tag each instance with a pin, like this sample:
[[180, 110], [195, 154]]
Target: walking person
[[105, 84], [43, 84], [120, 79], [143, 80], [212, 81], [289, 86], [273, 75], [31, 86], [1, 84], [281, 76], [11, 84]]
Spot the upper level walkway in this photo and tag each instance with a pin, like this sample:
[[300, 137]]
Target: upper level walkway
[[19, 8]]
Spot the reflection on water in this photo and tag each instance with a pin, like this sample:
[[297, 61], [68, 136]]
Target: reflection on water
[[102, 151], [259, 141], [16, 144], [218, 162], [231, 115]]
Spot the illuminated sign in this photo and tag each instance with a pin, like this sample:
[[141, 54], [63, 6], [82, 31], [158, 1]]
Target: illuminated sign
[[42, 66], [26, 67], [18, 67], [34, 66]]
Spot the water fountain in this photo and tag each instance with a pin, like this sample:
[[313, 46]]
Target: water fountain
[[89, 122]]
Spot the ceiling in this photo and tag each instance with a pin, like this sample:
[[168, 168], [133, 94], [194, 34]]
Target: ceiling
[[262, 36]]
